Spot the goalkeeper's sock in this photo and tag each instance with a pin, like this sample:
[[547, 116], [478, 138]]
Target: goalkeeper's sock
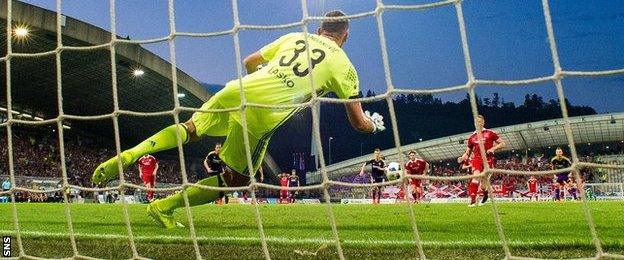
[[196, 196], [163, 140]]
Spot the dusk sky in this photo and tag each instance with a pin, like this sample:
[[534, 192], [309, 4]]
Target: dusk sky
[[507, 40]]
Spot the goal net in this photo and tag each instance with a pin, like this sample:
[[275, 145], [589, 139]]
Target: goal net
[[468, 87]]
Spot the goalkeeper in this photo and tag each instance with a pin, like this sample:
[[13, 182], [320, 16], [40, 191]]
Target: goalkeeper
[[285, 80]]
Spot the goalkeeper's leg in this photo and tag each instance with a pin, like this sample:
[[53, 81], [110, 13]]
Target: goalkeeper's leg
[[162, 210], [163, 140], [235, 175], [201, 124]]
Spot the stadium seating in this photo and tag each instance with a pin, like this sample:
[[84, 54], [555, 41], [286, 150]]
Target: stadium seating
[[519, 183], [36, 154]]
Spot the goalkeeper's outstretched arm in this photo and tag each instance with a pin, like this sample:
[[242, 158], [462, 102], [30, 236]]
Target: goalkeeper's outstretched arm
[[253, 61]]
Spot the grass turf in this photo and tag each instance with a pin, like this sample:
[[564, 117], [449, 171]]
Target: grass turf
[[448, 231]]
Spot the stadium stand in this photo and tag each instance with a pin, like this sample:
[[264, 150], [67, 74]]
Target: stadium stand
[[589, 130], [515, 186], [37, 162]]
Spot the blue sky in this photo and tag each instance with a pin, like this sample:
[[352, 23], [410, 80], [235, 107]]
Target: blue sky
[[507, 40]]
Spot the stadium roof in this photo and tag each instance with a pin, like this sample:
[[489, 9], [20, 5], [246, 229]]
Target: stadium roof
[[87, 77], [585, 129]]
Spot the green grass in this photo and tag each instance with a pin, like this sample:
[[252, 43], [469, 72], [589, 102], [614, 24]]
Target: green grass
[[448, 231]]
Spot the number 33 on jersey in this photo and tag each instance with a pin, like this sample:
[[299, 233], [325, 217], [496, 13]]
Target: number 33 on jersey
[[286, 77]]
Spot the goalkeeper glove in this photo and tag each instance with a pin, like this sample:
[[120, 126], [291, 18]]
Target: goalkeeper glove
[[377, 120]]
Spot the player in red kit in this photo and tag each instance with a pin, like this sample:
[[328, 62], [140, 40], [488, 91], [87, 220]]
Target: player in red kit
[[491, 143], [148, 166], [509, 184], [284, 194], [416, 166], [532, 184]]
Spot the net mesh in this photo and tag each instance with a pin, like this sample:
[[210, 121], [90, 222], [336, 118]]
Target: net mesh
[[314, 103]]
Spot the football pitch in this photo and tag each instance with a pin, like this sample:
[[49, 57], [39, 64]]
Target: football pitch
[[447, 231]]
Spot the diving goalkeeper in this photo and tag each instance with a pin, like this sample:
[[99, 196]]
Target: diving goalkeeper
[[285, 80]]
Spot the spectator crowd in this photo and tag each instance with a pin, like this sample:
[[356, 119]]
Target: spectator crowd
[[508, 183], [36, 153]]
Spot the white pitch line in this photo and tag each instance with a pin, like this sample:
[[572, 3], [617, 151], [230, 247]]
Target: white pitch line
[[287, 240]]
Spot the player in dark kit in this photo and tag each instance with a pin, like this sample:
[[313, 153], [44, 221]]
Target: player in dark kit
[[378, 173], [491, 143], [293, 181], [214, 166], [213, 163], [556, 163]]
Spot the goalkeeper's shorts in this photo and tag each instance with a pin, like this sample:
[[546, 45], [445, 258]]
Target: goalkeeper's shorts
[[261, 124]]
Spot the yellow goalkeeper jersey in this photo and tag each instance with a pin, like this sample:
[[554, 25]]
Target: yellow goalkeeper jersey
[[286, 79]]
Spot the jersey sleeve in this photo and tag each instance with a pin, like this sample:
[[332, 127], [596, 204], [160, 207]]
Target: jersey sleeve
[[494, 136], [347, 84], [269, 50]]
